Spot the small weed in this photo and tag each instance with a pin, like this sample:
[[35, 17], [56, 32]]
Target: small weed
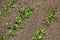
[[27, 12], [3, 38], [5, 24], [19, 21], [51, 16], [12, 33], [39, 34], [0, 13], [7, 7], [14, 27]]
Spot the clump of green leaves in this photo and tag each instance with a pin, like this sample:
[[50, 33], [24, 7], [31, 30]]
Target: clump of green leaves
[[39, 34], [14, 27], [19, 21], [8, 6], [27, 12], [12, 33], [0, 13], [5, 24], [3, 37], [51, 16]]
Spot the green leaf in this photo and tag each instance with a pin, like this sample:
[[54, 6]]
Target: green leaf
[[51, 16], [0, 13], [13, 33], [27, 12], [39, 34], [3, 38], [19, 20], [14, 27]]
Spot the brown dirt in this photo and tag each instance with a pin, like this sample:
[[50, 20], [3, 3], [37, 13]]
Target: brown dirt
[[35, 21]]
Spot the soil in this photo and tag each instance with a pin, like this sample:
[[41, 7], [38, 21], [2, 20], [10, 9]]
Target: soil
[[35, 21]]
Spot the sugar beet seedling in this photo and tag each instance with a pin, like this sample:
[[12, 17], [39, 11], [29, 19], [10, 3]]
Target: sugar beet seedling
[[19, 21], [39, 34], [14, 27], [12, 33], [27, 12], [8, 6], [51, 16], [3, 37]]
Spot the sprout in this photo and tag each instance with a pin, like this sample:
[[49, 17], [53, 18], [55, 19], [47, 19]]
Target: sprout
[[13, 33], [39, 34], [14, 27], [3, 38], [0, 13], [19, 20], [8, 6], [5, 24], [27, 12], [51, 16]]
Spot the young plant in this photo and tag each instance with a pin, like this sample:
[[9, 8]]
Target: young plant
[[14, 27], [51, 16], [27, 12], [39, 34], [12, 33], [7, 7], [5, 24], [3, 38], [19, 21]]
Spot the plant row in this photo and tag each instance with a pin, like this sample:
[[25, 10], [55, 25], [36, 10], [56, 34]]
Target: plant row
[[19, 22]]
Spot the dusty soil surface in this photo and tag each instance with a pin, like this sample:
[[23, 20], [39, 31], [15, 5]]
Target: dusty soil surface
[[35, 21]]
